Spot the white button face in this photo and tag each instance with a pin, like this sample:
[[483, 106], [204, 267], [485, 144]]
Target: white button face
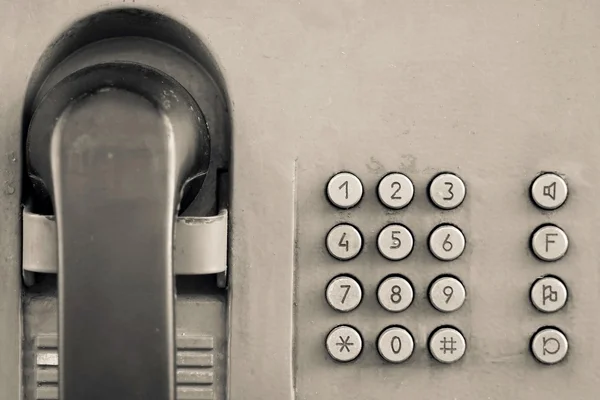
[[447, 294], [447, 191], [344, 190], [395, 242], [549, 243], [344, 343], [447, 345], [344, 242], [395, 294], [548, 294], [395, 344], [549, 191], [395, 190], [447, 242], [549, 346], [343, 293]]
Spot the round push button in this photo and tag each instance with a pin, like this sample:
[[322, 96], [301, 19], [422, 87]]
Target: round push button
[[395, 190], [549, 243], [548, 294], [549, 191], [549, 346], [395, 293], [447, 345], [395, 242], [344, 242], [344, 343], [343, 293], [447, 294], [447, 191], [344, 190], [447, 242], [395, 344]]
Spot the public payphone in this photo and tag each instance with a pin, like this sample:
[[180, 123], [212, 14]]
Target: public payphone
[[298, 200]]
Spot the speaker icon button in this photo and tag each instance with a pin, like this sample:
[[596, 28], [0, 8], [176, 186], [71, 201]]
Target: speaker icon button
[[549, 191]]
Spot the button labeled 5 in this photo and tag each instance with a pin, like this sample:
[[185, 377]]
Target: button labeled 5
[[395, 242]]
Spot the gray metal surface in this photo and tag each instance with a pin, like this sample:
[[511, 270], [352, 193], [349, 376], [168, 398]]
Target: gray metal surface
[[200, 244], [494, 91]]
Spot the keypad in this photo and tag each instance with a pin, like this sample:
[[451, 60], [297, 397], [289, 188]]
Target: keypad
[[394, 242], [446, 242]]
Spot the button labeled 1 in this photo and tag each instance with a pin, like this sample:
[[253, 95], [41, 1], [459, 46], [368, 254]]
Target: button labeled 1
[[343, 293], [344, 242], [395, 242], [344, 190]]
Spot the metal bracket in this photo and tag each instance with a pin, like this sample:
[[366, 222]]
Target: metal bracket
[[200, 244]]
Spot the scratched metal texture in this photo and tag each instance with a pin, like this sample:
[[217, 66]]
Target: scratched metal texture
[[495, 91]]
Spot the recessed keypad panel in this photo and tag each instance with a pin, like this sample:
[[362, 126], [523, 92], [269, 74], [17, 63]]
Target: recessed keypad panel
[[424, 277]]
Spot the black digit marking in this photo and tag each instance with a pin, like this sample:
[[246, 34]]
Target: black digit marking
[[448, 292], [398, 187], [447, 245], [347, 287], [344, 243], [396, 296], [450, 187], [396, 345], [344, 185]]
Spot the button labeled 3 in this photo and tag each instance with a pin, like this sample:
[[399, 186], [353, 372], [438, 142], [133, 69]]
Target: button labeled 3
[[344, 343], [343, 293], [447, 242], [549, 346], [548, 294], [395, 242], [447, 191], [344, 242], [395, 344], [549, 243]]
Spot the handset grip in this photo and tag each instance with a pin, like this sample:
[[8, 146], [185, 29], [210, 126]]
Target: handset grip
[[114, 145]]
